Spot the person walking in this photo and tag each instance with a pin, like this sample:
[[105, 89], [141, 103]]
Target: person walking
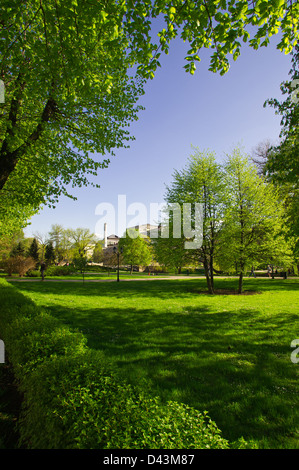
[[42, 270], [252, 273], [269, 270]]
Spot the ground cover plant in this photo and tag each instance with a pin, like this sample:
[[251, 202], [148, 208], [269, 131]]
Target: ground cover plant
[[228, 354], [73, 396]]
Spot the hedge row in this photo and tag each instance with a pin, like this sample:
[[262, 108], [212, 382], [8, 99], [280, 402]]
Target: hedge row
[[74, 398]]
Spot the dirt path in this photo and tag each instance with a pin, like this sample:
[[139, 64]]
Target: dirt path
[[122, 279]]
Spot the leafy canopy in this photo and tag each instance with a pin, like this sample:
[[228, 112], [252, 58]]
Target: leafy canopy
[[74, 70]]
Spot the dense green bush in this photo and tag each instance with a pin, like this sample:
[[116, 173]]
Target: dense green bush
[[60, 270], [75, 398], [33, 273], [83, 403]]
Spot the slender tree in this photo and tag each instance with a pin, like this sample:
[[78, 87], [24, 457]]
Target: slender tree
[[252, 229], [136, 250], [49, 253], [33, 250], [56, 237], [201, 182]]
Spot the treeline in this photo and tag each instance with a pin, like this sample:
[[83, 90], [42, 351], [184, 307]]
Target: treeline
[[59, 246], [244, 219], [243, 222]]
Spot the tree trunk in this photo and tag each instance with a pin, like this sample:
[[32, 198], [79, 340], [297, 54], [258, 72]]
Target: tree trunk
[[240, 282], [209, 283], [9, 160], [211, 273]]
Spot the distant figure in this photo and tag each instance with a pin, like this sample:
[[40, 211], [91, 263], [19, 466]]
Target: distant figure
[[42, 270], [252, 273], [269, 269]]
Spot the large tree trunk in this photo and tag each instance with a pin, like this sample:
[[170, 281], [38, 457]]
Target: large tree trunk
[[9, 159]]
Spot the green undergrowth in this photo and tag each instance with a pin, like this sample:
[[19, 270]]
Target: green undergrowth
[[73, 397], [229, 354]]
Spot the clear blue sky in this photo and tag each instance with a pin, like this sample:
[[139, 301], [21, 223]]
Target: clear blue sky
[[205, 110]]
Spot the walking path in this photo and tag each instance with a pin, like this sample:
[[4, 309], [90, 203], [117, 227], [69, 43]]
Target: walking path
[[122, 279]]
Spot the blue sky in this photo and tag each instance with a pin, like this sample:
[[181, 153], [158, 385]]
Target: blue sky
[[205, 110]]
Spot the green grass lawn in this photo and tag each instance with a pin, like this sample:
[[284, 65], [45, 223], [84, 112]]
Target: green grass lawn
[[227, 354]]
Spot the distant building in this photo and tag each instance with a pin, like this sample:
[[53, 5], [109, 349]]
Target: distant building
[[145, 230], [112, 240]]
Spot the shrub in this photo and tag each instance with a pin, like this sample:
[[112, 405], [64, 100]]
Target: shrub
[[33, 273], [82, 402], [75, 398], [19, 264], [60, 270]]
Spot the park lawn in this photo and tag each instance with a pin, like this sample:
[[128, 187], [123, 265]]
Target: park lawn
[[88, 276], [227, 354]]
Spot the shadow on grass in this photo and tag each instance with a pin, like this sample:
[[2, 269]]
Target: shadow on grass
[[234, 364], [163, 289]]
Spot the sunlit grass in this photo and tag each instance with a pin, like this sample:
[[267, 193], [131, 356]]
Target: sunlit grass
[[227, 354]]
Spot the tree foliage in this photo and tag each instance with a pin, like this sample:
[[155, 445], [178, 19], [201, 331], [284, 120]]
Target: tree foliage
[[282, 162], [70, 87], [201, 182], [68, 94], [49, 253], [136, 249], [243, 218], [33, 250], [170, 251], [282, 165], [252, 230]]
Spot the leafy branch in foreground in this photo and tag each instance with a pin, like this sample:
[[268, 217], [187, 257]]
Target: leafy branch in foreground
[[74, 70]]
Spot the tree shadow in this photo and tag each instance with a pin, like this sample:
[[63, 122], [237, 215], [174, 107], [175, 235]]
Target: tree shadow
[[163, 289], [234, 364]]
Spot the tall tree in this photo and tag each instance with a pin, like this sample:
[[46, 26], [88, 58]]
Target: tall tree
[[252, 230], [56, 237], [43, 241], [201, 182], [33, 250], [49, 253], [82, 240], [136, 250]]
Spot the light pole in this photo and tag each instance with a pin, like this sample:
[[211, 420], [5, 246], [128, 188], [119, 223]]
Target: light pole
[[116, 251], [82, 262]]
